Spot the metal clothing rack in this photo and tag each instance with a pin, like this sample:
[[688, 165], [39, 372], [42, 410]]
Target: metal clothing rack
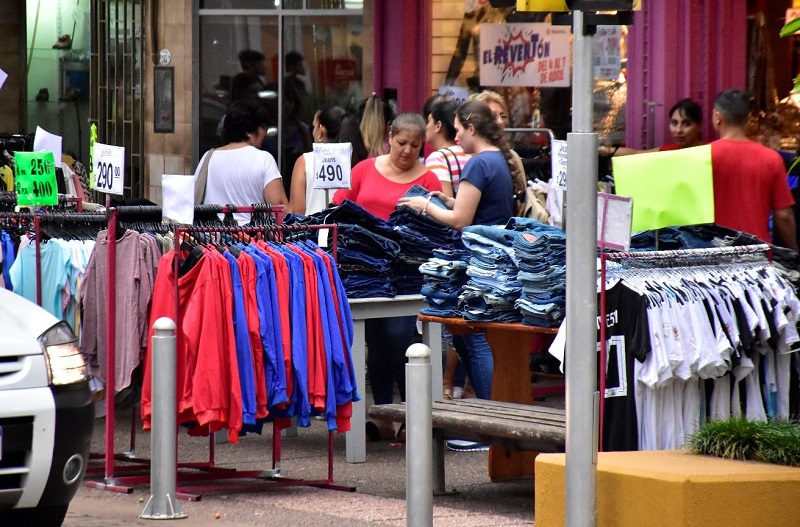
[[139, 474], [136, 215], [651, 259], [212, 473]]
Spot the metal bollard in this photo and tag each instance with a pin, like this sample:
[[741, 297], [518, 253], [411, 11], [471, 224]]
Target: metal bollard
[[419, 438], [163, 465]]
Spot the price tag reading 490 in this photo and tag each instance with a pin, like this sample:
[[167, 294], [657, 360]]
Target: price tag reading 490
[[332, 165], [109, 168], [35, 178]]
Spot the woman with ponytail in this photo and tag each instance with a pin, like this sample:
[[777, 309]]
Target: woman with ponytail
[[486, 196]]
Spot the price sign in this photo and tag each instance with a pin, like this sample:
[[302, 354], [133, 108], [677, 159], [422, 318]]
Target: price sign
[[558, 161], [35, 181], [109, 168], [92, 141], [332, 165]]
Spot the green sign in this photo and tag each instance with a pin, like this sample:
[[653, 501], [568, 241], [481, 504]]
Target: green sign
[[92, 140], [35, 178]]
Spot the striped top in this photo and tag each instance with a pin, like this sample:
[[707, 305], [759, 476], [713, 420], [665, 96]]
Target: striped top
[[453, 157]]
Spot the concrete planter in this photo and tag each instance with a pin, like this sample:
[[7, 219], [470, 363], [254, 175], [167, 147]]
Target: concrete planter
[[674, 488]]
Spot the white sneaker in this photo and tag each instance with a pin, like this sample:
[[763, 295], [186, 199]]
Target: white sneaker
[[458, 392]]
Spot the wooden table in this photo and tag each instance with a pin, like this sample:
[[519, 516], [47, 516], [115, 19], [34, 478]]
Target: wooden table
[[364, 309], [511, 382]]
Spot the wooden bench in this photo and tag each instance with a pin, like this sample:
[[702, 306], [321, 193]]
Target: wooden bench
[[511, 426]]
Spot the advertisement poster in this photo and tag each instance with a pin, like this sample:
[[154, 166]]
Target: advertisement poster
[[525, 55], [606, 52]]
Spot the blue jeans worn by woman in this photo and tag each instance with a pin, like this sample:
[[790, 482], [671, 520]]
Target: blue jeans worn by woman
[[387, 341], [477, 356]]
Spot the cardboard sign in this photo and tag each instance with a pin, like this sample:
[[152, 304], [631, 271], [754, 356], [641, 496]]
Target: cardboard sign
[[332, 165], [35, 178], [614, 215], [109, 168], [669, 188], [525, 55]]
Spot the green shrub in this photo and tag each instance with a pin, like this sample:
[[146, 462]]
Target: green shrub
[[776, 442]]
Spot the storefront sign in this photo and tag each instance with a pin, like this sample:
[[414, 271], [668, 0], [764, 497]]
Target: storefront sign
[[669, 188], [35, 178], [558, 163], [525, 55], [109, 168], [607, 56], [556, 5], [332, 165]]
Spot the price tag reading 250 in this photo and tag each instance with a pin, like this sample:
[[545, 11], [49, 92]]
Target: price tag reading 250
[[108, 163], [332, 165], [35, 178]]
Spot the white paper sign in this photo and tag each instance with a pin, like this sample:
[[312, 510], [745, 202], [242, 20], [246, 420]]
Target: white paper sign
[[457, 93], [332, 165], [177, 198], [109, 168], [607, 55], [535, 54], [614, 214], [3, 77], [44, 141], [558, 163]]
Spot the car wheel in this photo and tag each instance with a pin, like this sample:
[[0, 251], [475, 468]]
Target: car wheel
[[52, 516]]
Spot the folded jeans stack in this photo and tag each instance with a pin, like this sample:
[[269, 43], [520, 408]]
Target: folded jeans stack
[[493, 287], [445, 275]]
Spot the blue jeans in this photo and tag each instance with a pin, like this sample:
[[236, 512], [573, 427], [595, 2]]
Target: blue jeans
[[477, 356]]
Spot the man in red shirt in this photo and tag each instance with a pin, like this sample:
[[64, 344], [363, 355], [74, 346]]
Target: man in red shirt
[[749, 179]]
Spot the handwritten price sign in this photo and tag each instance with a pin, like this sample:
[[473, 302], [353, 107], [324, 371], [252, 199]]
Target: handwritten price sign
[[109, 168], [332, 165], [35, 181]]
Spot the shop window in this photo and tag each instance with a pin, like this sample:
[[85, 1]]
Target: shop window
[[322, 66]]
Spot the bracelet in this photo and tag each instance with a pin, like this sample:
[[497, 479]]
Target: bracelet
[[425, 207]]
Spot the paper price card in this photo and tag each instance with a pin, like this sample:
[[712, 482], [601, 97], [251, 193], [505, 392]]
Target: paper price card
[[109, 168], [332, 165], [35, 178], [558, 162]]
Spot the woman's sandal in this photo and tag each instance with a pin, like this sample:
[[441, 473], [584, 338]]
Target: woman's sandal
[[447, 394]]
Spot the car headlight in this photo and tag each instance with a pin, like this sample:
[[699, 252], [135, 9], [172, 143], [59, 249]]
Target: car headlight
[[65, 363]]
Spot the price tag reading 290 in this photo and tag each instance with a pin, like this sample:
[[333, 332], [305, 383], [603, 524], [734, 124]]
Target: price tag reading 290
[[108, 163], [332, 165], [35, 178]]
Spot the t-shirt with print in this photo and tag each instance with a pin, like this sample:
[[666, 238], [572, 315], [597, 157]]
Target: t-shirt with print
[[627, 339]]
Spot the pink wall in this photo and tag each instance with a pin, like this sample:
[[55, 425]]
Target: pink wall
[[678, 49], [403, 51]]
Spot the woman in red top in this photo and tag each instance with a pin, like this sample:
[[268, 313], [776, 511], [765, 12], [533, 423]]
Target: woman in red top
[[377, 184], [685, 119]]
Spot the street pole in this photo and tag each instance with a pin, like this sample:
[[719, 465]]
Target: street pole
[[581, 354]]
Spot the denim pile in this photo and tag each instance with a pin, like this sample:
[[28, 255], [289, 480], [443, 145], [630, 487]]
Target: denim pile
[[445, 274], [701, 236], [493, 288], [541, 252], [366, 249], [418, 236]]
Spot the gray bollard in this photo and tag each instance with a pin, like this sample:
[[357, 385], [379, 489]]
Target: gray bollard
[[419, 438], [162, 504]]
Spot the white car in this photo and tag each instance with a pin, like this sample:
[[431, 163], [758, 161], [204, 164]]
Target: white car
[[46, 414]]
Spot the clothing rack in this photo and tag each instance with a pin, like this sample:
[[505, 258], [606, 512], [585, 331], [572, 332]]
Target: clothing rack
[[135, 215], [279, 233], [116, 216], [674, 258]]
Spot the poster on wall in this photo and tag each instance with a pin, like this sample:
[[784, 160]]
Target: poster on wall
[[525, 55], [606, 52]]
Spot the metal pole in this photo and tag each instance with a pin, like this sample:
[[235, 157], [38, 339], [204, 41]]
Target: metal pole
[[581, 355], [163, 467], [419, 438]]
